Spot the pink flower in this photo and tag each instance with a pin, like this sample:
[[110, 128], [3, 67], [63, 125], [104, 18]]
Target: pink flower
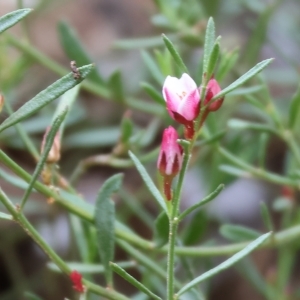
[[182, 97], [213, 89], [169, 159]]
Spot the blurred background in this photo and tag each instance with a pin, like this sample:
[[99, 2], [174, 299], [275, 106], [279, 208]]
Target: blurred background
[[122, 38]]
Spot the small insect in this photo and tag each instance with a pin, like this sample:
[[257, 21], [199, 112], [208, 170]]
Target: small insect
[[76, 73]]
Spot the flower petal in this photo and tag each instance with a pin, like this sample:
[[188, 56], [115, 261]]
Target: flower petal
[[190, 105], [187, 83]]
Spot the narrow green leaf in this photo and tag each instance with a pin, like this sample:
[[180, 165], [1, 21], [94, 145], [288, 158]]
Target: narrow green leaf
[[212, 139], [49, 141], [161, 230], [5, 216], [209, 43], [226, 264], [75, 50], [177, 58], [237, 233], [213, 59], [105, 222], [149, 183], [133, 281], [152, 67], [248, 75], [12, 18], [205, 200], [153, 93], [241, 124], [87, 268], [67, 100], [45, 97], [228, 60], [116, 86], [126, 128], [266, 216], [231, 170], [294, 109]]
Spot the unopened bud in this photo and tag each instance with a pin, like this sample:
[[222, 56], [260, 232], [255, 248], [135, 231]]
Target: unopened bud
[[54, 153]]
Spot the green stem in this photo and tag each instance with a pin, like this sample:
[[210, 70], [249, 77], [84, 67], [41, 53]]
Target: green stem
[[29, 229], [173, 222]]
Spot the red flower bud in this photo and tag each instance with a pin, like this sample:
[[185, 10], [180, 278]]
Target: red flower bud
[[212, 89], [169, 159], [76, 278]]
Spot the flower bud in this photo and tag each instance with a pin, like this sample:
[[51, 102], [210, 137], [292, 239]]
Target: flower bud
[[170, 159], [183, 101], [54, 153], [76, 279], [212, 89]]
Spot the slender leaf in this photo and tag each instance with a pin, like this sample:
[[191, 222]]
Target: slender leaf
[[209, 42], [213, 59], [116, 86], [133, 281], [235, 171], [294, 109], [49, 141], [75, 50], [237, 233], [5, 216], [87, 268], [12, 18], [226, 264], [67, 100], [177, 58], [248, 75], [105, 222], [161, 230], [205, 200], [266, 216], [241, 124], [149, 183], [152, 67], [153, 93], [45, 97]]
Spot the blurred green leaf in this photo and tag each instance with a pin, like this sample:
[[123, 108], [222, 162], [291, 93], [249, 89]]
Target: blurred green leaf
[[248, 75], [149, 183], [161, 230], [153, 93], [48, 145], [5, 216], [152, 67], [133, 281], [45, 97], [226, 264], [31, 296], [89, 268], [176, 56], [227, 62], [238, 233], [126, 128], [92, 137], [241, 124], [266, 216], [105, 222], [228, 169], [294, 110], [12, 18], [75, 50], [116, 86]]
